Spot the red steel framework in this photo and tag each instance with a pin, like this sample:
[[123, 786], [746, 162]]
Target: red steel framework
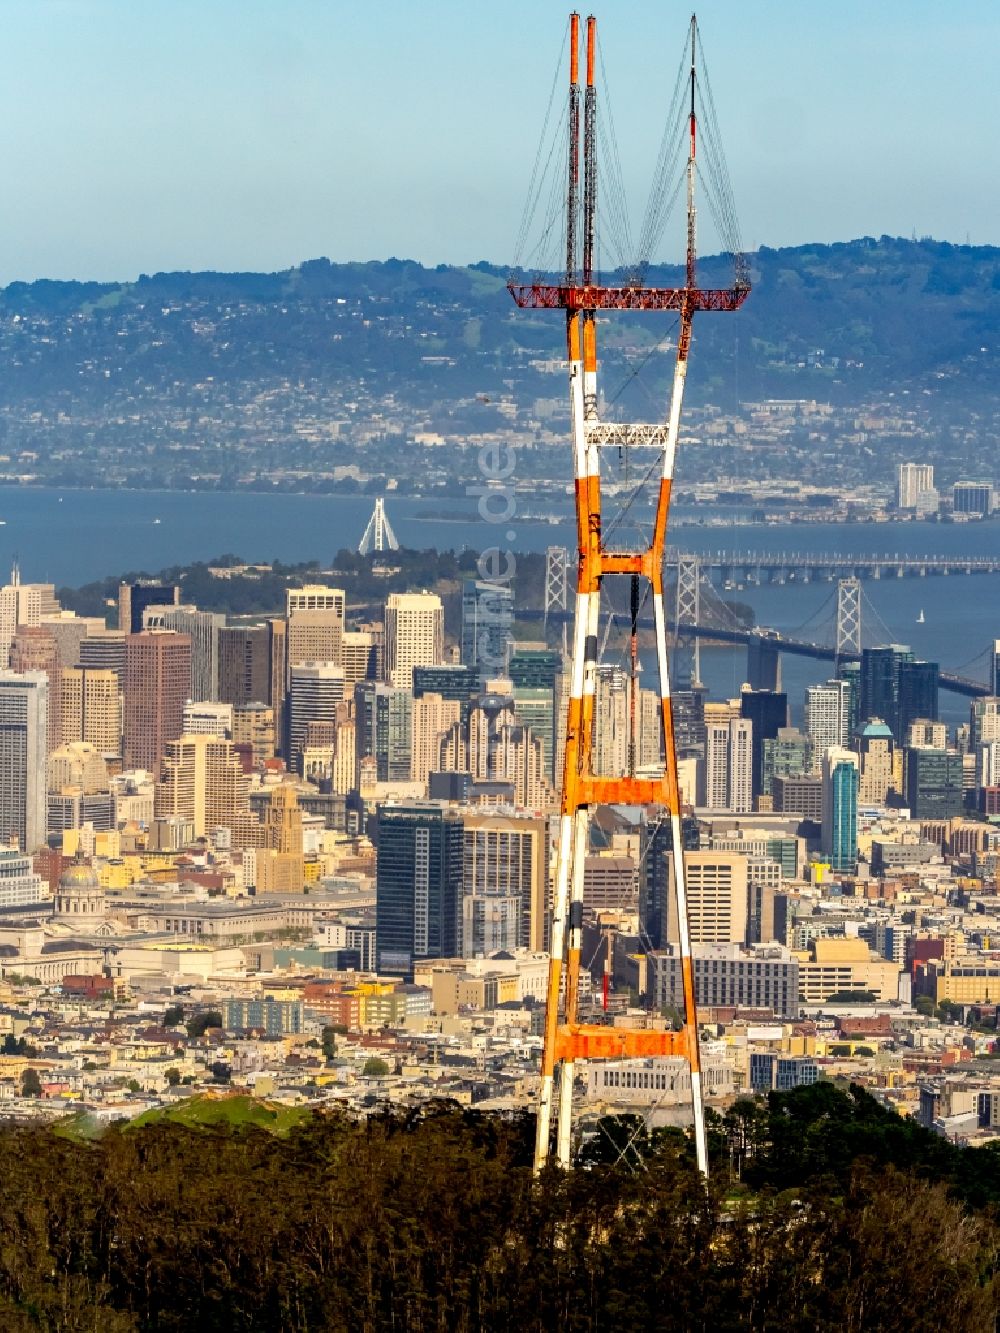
[[566, 1038]]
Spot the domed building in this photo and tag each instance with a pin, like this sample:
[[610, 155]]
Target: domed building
[[878, 763], [79, 898]]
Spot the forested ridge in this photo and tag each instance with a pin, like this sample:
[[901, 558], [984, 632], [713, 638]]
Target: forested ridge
[[824, 1212]]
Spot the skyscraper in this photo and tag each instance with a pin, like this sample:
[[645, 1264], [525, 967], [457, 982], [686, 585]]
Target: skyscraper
[[244, 665], [505, 857], [202, 627], [134, 598], [22, 604], [487, 626], [918, 695], [316, 689], [23, 730], [768, 711], [315, 636], [418, 894], [34, 649], [840, 809], [432, 716], [827, 716], [933, 783], [414, 635], [92, 709], [383, 719], [995, 668], [913, 480], [157, 685], [202, 779], [104, 652], [726, 772]]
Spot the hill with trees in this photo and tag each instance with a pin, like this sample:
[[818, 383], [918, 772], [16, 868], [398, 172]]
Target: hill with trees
[[825, 1212]]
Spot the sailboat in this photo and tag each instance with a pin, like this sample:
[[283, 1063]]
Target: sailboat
[[920, 618]]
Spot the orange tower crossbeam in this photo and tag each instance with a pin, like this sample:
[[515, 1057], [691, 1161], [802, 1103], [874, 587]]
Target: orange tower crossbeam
[[566, 1039]]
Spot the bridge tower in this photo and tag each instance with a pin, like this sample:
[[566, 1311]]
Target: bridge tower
[[848, 638], [556, 585], [687, 655], [378, 536], [580, 293]]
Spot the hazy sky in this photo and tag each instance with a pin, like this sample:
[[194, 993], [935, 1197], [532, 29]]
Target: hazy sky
[[138, 135]]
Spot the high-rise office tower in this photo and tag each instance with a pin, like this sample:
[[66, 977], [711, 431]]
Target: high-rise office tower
[[913, 480], [202, 779], [22, 604], [451, 680], [717, 893], [383, 719], [487, 626], [202, 627], [92, 709], [917, 695], [414, 635], [840, 809], [253, 726], [933, 785], [827, 716], [536, 673], [726, 772], [315, 691], [277, 641], [344, 777], [157, 685], [995, 668], [315, 636], [432, 716], [68, 630], [357, 656], [204, 718], [876, 750], [316, 597], [768, 711], [23, 734], [972, 497], [984, 721], [34, 649], [104, 652], [611, 721], [880, 683], [418, 893], [134, 598], [245, 665], [784, 755], [504, 860], [654, 872]]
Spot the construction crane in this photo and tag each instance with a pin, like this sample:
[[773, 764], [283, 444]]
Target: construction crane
[[581, 294]]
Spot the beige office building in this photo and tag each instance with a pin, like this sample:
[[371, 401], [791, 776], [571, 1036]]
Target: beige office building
[[315, 636], [505, 856], [201, 779], [414, 635], [92, 709], [431, 718], [717, 889]]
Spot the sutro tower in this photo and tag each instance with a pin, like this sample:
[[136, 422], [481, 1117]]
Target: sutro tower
[[581, 295]]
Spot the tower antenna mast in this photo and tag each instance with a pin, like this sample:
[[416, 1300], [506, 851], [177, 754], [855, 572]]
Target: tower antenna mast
[[581, 295]]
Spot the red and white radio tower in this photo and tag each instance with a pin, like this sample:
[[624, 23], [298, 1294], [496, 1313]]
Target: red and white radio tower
[[581, 295]]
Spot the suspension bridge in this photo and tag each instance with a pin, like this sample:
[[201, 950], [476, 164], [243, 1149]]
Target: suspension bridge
[[755, 567], [700, 614]]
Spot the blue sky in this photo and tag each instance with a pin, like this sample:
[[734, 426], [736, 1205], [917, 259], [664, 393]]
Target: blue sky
[[138, 135]]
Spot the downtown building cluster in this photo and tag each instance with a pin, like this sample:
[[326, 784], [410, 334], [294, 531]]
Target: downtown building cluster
[[302, 824]]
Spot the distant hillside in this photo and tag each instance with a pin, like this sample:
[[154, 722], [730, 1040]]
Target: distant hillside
[[323, 376]]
